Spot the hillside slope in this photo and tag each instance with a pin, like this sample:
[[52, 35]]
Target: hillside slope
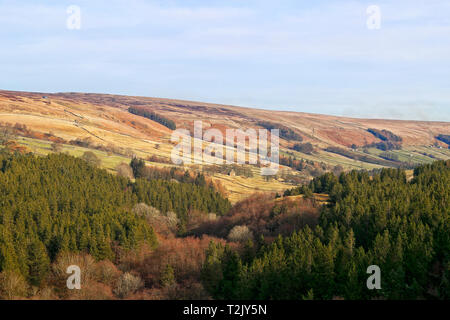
[[105, 120]]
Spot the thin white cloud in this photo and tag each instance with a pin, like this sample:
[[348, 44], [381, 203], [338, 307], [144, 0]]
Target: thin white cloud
[[335, 31]]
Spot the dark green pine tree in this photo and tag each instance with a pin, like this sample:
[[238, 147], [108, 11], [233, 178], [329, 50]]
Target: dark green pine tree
[[228, 286], [38, 262], [168, 276]]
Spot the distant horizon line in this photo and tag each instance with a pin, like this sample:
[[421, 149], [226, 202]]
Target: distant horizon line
[[227, 105]]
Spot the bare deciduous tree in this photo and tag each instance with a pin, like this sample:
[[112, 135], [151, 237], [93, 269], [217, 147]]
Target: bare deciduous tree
[[124, 170]]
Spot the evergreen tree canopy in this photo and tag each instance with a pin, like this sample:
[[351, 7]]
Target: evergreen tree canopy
[[401, 226]]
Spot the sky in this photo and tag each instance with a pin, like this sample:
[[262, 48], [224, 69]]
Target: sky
[[307, 56]]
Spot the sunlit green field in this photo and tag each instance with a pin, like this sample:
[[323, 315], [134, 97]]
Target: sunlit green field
[[241, 187], [40, 147]]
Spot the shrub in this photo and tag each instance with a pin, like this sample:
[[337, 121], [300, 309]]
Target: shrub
[[46, 293], [84, 261], [57, 147], [172, 220], [124, 170], [83, 142], [189, 290], [127, 285], [144, 210], [164, 223], [91, 158], [107, 273], [12, 285], [184, 255], [240, 234], [389, 156], [306, 148]]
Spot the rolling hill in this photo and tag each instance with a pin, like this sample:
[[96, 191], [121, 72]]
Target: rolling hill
[[103, 123]]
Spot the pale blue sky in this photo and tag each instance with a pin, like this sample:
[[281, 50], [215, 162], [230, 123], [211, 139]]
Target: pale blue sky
[[311, 56]]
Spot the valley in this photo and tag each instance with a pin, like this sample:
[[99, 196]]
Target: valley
[[102, 123]]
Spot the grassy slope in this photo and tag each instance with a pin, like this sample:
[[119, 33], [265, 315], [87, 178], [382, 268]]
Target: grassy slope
[[104, 118]]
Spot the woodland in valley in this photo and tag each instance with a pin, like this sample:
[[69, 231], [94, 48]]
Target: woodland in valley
[[153, 234]]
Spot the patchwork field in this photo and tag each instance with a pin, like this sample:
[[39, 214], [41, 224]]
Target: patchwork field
[[104, 123]]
